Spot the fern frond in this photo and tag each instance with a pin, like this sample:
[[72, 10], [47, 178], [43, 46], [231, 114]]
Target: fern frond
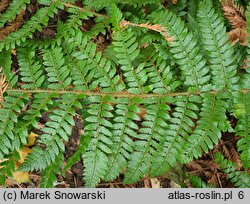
[[84, 142], [115, 16], [149, 140], [98, 127], [7, 167], [239, 178], [58, 72], [35, 23], [98, 4], [40, 103], [127, 50], [55, 131], [180, 125], [218, 50], [48, 176], [14, 8], [185, 52], [246, 77], [30, 70], [160, 75], [5, 64], [242, 113], [91, 66], [197, 182], [9, 111], [67, 29], [208, 131], [125, 128]]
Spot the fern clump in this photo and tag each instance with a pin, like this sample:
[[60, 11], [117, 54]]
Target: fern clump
[[153, 85]]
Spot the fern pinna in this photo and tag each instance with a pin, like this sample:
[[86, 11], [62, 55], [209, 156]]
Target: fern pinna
[[156, 94]]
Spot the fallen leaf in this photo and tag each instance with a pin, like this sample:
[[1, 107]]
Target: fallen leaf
[[31, 139], [21, 177], [23, 153], [155, 183]]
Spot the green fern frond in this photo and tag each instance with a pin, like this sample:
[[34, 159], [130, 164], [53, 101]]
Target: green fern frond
[[5, 63], [91, 66], [41, 17], [212, 121], [98, 127], [67, 29], [218, 50], [142, 105], [149, 140], [8, 167], [127, 50], [180, 125], [84, 142], [197, 182], [30, 70], [125, 128], [48, 177], [115, 16], [58, 71], [185, 51], [41, 102], [160, 75], [55, 131], [98, 4], [9, 111], [242, 113], [239, 178], [14, 8]]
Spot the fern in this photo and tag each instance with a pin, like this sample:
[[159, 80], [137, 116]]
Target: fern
[[10, 108], [185, 52], [241, 111], [97, 67], [48, 175], [35, 23], [212, 122], [57, 130], [30, 71], [238, 178], [98, 128], [125, 127], [180, 126], [126, 51], [57, 71], [13, 9], [150, 139], [197, 182], [217, 48]]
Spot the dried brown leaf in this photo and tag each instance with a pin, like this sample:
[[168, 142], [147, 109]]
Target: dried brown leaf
[[155, 183], [234, 13], [158, 28], [213, 181], [238, 35], [237, 17], [235, 157]]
